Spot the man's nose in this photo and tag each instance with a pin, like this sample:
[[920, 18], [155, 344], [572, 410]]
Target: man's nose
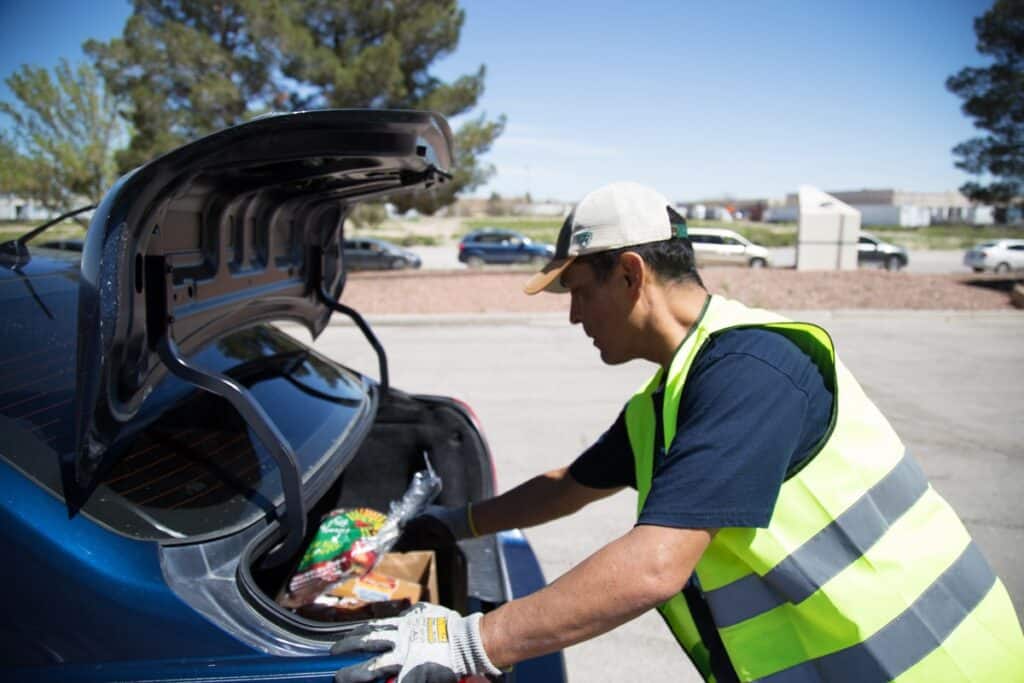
[[574, 313]]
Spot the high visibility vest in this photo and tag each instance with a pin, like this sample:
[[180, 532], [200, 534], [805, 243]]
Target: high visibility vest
[[864, 572]]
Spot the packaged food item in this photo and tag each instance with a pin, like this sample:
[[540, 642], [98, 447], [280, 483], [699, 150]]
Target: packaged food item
[[350, 542], [400, 580], [377, 587], [337, 550]]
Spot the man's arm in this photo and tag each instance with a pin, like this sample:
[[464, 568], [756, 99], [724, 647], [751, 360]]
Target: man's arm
[[544, 498], [627, 577]]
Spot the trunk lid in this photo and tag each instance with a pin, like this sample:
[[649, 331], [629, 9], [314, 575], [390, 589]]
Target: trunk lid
[[237, 228]]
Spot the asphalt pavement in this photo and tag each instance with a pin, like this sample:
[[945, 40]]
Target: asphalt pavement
[[945, 381]]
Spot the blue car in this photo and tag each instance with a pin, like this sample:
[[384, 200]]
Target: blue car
[[166, 452], [496, 245]]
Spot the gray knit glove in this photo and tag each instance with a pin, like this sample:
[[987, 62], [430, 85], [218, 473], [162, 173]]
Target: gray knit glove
[[456, 519], [425, 644]]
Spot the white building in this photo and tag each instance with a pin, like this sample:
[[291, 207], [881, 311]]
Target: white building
[[898, 207], [13, 208]]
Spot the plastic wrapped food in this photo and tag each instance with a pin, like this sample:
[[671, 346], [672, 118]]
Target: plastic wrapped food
[[350, 542]]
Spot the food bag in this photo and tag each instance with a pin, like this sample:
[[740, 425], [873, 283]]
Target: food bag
[[350, 542]]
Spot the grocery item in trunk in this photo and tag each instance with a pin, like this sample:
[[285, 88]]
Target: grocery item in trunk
[[399, 580], [349, 542]]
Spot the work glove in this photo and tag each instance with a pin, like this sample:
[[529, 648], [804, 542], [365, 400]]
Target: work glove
[[458, 520], [425, 644]]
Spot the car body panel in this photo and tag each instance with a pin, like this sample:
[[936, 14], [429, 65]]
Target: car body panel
[[94, 577], [320, 669]]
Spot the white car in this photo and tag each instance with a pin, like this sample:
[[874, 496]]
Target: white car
[[999, 256], [718, 246]]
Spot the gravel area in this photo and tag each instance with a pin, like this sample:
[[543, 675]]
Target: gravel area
[[500, 291]]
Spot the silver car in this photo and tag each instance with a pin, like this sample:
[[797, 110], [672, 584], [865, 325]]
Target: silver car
[[999, 256], [719, 246]]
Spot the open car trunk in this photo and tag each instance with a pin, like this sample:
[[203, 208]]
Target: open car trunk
[[470, 575]]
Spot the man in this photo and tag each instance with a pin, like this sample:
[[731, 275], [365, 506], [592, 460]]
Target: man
[[782, 530]]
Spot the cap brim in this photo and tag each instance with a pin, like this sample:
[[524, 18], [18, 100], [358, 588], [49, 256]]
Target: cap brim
[[549, 279]]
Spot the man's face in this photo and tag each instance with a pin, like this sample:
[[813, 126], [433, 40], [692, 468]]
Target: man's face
[[602, 308]]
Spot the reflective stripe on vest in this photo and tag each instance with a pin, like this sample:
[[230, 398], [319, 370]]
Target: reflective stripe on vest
[[864, 572]]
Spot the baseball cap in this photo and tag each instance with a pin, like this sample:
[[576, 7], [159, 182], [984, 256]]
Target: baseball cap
[[613, 216]]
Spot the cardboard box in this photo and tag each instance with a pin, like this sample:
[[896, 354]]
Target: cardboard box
[[418, 566], [410, 576], [398, 581]]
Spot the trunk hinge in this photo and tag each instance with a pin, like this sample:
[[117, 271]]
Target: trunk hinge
[[159, 318], [315, 263]]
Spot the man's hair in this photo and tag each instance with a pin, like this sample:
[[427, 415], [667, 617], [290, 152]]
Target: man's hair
[[671, 260]]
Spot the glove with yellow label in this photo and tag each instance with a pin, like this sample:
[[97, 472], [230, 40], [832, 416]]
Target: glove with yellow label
[[425, 644]]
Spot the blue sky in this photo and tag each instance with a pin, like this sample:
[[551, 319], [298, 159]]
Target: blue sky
[[742, 98]]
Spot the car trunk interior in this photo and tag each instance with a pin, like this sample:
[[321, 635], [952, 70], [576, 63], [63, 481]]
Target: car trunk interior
[[406, 429]]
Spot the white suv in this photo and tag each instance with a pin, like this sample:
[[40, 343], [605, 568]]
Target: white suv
[[718, 246], [1000, 256]]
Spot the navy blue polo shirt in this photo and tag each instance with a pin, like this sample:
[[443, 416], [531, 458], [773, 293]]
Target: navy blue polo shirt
[[753, 410]]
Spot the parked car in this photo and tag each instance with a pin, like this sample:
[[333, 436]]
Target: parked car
[[999, 256], [166, 452], [872, 251], [371, 254], [494, 245], [721, 247]]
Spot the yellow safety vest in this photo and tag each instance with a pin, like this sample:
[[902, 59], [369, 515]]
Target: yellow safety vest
[[864, 572]]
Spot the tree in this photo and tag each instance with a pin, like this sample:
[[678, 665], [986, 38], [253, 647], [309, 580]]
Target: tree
[[994, 97], [495, 205], [368, 215], [187, 68], [64, 132], [191, 67]]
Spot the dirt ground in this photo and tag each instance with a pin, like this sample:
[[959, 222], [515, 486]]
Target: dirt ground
[[500, 291]]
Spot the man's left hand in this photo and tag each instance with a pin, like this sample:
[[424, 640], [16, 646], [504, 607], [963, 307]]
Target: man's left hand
[[425, 644]]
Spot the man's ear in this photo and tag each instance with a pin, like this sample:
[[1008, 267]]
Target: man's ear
[[633, 270]]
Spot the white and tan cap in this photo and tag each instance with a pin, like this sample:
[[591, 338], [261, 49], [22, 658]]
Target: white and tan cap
[[611, 217]]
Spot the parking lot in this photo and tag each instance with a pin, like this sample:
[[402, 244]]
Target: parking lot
[[944, 379]]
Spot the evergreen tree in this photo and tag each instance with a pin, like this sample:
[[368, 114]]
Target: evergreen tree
[[191, 67], [64, 132], [994, 97], [187, 68]]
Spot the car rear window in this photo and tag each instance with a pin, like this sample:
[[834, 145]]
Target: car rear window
[[187, 463]]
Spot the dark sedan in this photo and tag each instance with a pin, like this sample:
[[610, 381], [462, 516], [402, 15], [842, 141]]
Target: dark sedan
[[373, 254], [872, 251]]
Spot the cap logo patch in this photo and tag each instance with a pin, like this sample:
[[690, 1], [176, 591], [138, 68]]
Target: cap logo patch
[[583, 238]]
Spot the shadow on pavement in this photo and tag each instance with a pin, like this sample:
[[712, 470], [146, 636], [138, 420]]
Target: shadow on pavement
[[998, 284]]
